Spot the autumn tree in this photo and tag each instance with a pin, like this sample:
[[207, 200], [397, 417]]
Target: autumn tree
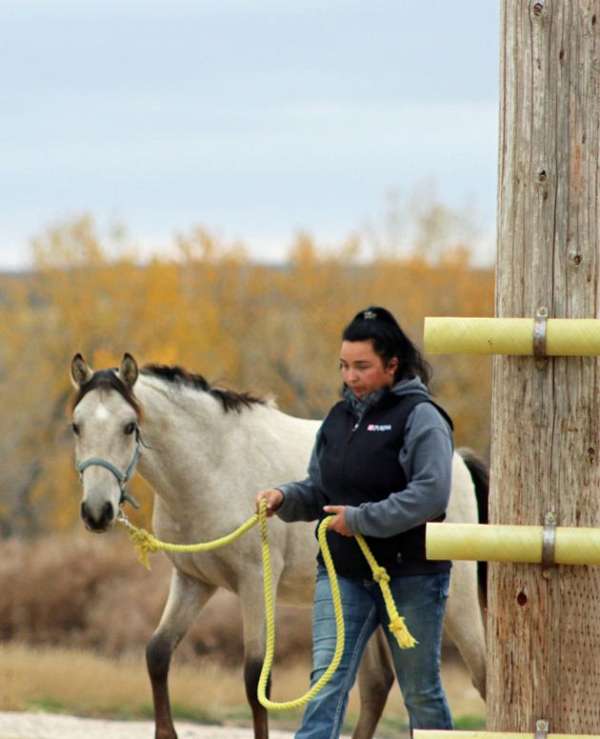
[[270, 329]]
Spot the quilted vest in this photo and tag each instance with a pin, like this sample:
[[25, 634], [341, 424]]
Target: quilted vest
[[358, 464]]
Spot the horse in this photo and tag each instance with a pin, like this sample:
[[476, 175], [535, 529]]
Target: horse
[[206, 451]]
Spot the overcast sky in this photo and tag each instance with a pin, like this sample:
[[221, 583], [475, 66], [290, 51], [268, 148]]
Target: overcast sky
[[254, 118]]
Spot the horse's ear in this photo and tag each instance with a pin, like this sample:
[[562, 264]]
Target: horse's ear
[[128, 371], [81, 372]]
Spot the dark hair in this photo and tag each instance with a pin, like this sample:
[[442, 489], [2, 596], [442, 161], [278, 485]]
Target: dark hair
[[107, 380], [378, 325]]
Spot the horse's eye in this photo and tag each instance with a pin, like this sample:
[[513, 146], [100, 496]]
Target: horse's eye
[[75, 428], [130, 428]]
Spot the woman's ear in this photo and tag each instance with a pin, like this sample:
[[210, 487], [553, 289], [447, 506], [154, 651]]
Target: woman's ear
[[392, 366]]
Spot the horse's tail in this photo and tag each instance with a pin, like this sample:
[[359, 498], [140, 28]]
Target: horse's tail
[[480, 475]]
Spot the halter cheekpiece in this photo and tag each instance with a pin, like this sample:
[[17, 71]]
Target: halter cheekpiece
[[122, 477]]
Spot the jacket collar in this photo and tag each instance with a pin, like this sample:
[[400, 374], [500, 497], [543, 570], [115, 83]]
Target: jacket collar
[[359, 406]]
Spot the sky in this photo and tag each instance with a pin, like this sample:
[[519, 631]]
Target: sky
[[252, 118]]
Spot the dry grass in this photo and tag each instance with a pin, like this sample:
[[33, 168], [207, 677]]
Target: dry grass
[[78, 682], [87, 684]]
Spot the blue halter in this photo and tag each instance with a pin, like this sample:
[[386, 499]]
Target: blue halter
[[122, 477]]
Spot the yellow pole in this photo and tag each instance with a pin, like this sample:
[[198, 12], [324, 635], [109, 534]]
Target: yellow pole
[[435, 734], [564, 336], [494, 543]]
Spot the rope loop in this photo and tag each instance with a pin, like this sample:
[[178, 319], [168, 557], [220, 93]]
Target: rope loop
[[270, 620], [145, 543]]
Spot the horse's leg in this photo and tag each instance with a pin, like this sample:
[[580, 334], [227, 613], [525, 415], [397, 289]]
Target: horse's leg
[[251, 600], [186, 598], [375, 678], [464, 621]]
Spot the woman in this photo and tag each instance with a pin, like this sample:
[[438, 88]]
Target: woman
[[381, 466]]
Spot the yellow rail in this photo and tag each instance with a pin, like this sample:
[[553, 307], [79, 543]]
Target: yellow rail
[[495, 543], [564, 336], [436, 734]]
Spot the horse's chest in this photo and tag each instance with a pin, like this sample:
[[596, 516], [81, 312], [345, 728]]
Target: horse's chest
[[207, 567]]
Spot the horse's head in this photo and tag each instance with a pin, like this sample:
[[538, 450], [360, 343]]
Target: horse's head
[[105, 425]]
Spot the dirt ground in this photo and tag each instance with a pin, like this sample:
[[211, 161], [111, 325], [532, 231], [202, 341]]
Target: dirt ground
[[52, 726]]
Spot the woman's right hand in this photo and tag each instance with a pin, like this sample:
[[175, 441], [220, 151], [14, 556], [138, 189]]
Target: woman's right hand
[[273, 497]]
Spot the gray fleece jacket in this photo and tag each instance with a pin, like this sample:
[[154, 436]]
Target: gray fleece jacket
[[426, 458]]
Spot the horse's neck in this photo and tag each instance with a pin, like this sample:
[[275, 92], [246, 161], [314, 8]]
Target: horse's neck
[[203, 461], [180, 429]]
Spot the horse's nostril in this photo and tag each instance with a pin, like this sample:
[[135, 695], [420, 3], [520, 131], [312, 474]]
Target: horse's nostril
[[95, 522], [107, 513]]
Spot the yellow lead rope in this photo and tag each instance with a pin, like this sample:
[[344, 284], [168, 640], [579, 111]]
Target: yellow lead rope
[[146, 543], [270, 622], [397, 623]]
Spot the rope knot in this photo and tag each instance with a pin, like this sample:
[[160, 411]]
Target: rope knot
[[380, 575], [144, 544], [403, 636]]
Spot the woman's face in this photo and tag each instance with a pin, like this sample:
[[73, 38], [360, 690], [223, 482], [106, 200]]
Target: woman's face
[[364, 371]]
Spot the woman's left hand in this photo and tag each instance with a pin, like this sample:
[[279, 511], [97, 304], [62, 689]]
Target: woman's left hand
[[338, 523]]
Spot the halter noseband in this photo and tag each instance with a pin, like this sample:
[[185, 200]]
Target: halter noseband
[[122, 477]]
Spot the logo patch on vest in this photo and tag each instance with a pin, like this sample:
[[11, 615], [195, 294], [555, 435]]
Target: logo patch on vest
[[379, 427]]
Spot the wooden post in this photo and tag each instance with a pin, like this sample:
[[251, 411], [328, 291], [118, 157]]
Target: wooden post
[[544, 633]]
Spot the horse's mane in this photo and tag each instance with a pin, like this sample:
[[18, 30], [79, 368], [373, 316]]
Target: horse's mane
[[229, 399]]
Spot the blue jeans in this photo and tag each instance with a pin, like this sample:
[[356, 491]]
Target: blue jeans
[[421, 599]]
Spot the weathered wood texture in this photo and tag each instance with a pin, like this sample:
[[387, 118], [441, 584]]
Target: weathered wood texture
[[544, 634]]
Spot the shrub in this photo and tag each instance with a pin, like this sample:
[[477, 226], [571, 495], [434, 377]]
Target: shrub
[[90, 592]]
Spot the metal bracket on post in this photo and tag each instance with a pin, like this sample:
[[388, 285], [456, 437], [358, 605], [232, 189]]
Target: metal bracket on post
[[548, 544], [541, 729], [539, 337]]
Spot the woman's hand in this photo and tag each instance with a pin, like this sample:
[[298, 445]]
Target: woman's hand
[[273, 497], [339, 519]]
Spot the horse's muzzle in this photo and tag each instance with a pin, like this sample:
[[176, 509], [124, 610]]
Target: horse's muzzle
[[98, 524]]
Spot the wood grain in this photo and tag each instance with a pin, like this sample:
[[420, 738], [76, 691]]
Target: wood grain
[[544, 634]]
